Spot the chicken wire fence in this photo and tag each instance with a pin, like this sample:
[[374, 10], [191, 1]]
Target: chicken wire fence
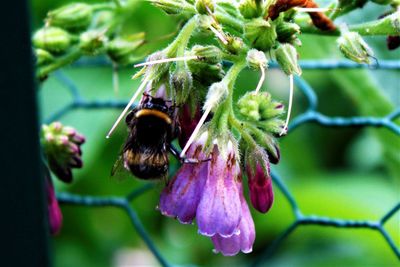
[[311, 115]]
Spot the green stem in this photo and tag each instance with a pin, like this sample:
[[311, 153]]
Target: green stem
[[58, 63], [233, 73], [178, 46], [240, 127], [388, 25], [223, 111]]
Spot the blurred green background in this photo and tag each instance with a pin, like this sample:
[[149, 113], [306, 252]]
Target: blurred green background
[[342, 172]]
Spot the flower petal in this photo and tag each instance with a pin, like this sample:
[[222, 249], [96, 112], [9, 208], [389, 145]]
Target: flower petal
[[182, 196], [219, 210], [230, 246]]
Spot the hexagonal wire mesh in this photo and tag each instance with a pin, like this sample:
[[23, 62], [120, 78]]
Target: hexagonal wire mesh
[[310, 115]]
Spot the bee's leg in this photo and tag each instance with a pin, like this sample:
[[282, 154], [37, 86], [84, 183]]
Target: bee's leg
[[174, 151]]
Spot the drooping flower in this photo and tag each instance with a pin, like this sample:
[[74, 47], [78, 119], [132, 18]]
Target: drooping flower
[[54, 212], [211, 191], [230, 246], [61, 145], [219, 210], [183, 193]]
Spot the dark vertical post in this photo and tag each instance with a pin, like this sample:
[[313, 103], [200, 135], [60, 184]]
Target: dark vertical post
[[23, 227]]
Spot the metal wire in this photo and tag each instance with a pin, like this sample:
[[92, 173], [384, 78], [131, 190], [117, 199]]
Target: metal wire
[[311, 115]]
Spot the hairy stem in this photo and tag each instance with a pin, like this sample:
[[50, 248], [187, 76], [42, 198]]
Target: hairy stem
[[73, 55]]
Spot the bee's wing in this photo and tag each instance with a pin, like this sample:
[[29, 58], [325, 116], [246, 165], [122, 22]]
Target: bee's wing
[[118, 171]]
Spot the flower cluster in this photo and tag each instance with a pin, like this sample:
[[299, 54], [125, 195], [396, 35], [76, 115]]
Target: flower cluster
[[81, 29], [211, 191], [220, 139], [61, 146]]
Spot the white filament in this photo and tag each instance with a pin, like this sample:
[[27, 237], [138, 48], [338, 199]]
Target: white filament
[[165, 60], [137, 93], [291, 82], [262, 78], [196, 131], [219, 35]]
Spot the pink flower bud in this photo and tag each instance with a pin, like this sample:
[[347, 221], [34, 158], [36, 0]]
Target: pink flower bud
[[54, 212], [78, 139], [260, 186]]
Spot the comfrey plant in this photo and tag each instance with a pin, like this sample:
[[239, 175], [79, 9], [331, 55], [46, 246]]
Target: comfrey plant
[[221, 139]]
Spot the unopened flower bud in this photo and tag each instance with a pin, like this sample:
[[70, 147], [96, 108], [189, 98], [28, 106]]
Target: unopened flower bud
[[259, 179], [92, 41], [76, 16], [354, 47], [209, 54], [52, 39], [216, 94], [256, 59], [102, 19], [204, 23], [261, 34], [250, 8], [171, 7], [234, 45], [156, 72], [208, 68], [204, 6], [61, 146], [121, 49], [181, 82], [287, 31], [43, 56], [286, 55], [259, 107]]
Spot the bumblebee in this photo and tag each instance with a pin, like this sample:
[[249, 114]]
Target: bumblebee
[[152, 127]]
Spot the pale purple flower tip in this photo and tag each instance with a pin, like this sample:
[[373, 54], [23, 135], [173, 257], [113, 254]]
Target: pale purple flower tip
[[54, 212], [219, 209], [182, 195], [260, 187], [230, 246], [74, 149], [78, 139]]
